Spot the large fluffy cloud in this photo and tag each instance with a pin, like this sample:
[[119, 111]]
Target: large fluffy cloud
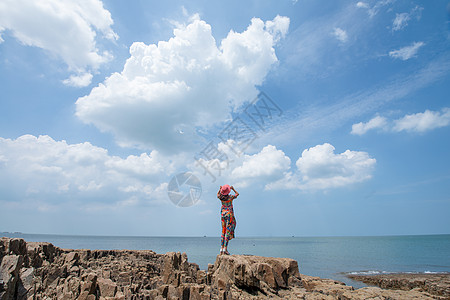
[[168, 90], [55, 172], [265, 166], [320, 168], [65, 28], [268, 162]]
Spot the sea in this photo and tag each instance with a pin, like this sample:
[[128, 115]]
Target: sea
[[326, 257]]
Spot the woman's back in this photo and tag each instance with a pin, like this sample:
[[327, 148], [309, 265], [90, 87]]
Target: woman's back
[[227, 200]]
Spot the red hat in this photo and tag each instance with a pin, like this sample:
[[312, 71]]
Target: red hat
[[225, 190]]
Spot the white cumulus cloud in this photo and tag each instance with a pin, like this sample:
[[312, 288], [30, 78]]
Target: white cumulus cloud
[[267, 163], [261, 168], [320, 168], [422, 122], [56, 172], [182, 84], [81, 80], [67, 29], [419, 122], [361, 128], [407, 52]]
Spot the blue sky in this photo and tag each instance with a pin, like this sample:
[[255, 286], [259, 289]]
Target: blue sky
[[104, 102]]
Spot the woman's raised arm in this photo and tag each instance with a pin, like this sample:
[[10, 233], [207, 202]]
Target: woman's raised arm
[[237, 194]]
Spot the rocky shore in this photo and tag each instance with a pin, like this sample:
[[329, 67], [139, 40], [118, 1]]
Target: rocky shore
[[30, 270], [435, 284]]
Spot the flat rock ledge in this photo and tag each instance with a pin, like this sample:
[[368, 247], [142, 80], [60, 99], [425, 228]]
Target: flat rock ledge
[[435, 284], [30, 270]]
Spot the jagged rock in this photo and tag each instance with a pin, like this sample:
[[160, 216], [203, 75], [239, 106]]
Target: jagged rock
[[106, 287], [25, 283], [72, 258], [34, 255], [201, 277], [9, 275], [89, 284], [43, 271], [17, 247]]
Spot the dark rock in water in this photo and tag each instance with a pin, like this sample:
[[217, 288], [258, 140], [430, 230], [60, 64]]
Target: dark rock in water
[[43, 271]]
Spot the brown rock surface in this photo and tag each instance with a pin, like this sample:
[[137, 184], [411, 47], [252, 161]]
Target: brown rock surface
[[434, 284], [43, 271]]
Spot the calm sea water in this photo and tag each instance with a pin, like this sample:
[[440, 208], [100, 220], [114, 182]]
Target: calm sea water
[[326, 257]]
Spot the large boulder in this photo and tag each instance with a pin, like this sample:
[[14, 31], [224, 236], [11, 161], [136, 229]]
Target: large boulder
[[255, 273]]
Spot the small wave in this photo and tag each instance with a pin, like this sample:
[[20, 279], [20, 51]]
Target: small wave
[[432, 272], [375, 272], [370, 272]]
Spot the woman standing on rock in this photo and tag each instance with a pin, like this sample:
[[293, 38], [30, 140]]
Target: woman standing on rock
[[227, 215]]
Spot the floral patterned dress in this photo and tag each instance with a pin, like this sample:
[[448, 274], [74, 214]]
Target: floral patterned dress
[[228, 219]]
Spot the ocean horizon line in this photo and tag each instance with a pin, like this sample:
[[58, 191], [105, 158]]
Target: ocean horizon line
[[218, 236]]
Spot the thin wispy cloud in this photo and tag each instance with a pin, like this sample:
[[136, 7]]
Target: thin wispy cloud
[[407, 52], [304, 121], [401, 19], [374, 10], [308, 47]]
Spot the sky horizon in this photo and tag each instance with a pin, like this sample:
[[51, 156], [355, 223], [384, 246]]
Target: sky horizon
[[329, 119]]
